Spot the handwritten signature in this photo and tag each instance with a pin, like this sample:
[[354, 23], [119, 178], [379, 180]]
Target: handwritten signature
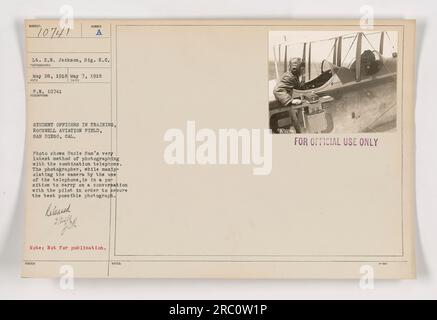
[[54, 211], [63, 217]]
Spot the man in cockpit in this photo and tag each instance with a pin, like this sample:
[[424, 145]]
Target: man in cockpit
[[283, 91]]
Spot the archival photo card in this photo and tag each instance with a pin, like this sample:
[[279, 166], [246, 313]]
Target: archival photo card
[[220, 149]]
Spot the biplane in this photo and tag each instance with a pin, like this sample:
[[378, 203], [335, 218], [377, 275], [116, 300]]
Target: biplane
[[340, 96]]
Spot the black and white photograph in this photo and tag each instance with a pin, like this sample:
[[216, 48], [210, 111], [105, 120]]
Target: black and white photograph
[[332, 81]]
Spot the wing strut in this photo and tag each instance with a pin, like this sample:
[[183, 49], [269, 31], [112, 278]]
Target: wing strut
[[338, 63], [381, 43], [334, 57], [304, 56], [358, 57], [309, 62], [285, 55]]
